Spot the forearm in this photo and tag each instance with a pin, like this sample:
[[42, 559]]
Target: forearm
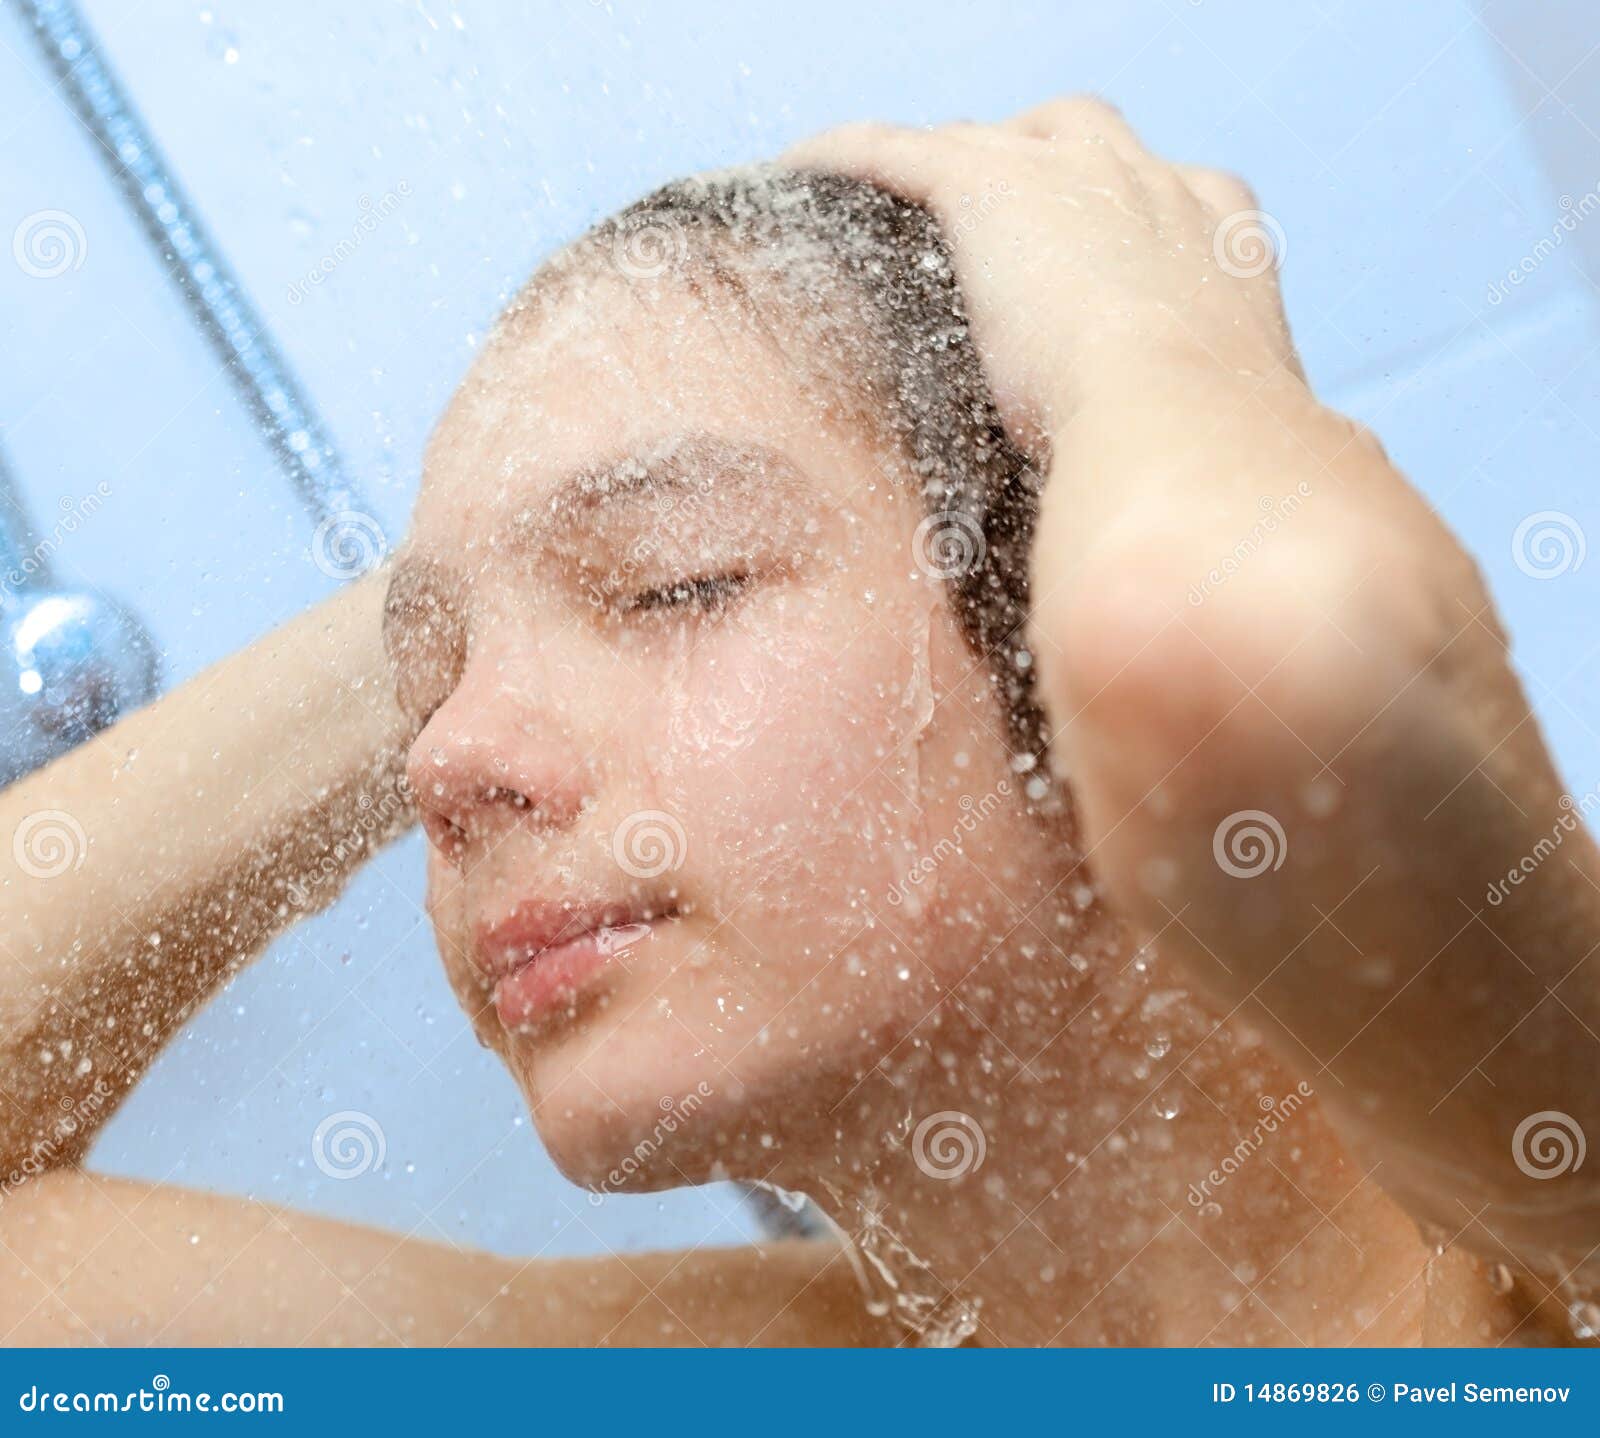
[[151, 861], [1340, 688]]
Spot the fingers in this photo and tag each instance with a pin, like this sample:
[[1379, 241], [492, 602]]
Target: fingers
[[1217, 190], [908, 161], [911, 158], [919, 163], [1078, 117], [915, 161], [1085, 117]]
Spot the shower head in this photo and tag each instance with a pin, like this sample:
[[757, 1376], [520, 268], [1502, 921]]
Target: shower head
[[71, 663]]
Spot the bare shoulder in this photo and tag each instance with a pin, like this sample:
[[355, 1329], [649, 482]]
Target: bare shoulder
[[86, 1259]]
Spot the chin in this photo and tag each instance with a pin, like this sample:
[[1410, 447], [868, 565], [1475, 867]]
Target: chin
[[707, 1063], [648, 1102], [626, 1106]]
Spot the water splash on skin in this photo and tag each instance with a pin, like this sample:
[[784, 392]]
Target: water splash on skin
[[621, 936], [906, 1285], [917, 702]]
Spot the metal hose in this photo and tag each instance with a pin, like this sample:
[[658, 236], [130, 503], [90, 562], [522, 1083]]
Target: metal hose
[[196, 266]]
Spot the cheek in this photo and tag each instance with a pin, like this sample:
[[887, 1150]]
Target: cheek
[[793, 739]]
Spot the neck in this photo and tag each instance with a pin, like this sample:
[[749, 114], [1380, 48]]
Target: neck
[[1122, 1169]]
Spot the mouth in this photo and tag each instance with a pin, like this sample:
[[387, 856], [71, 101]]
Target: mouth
[[542, 956]]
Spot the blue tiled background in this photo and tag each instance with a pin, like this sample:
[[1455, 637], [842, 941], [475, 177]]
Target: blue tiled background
[[1412, 153]]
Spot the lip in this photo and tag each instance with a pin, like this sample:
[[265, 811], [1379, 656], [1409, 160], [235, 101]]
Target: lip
[[542, 955]]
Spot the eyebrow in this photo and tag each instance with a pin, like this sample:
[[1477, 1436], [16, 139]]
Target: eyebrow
[[688, 466], [696, 464]]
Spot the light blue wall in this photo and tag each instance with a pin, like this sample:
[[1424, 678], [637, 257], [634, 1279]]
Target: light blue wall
[[1384, 138]]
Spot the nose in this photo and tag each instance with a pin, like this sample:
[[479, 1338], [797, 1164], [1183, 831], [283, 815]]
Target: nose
[[492, 759]]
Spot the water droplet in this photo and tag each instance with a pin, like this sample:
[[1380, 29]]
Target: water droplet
[[1376, 971], [223, 45], [1321, 797]]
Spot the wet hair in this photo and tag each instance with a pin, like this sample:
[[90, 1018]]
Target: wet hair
[[871, 275]]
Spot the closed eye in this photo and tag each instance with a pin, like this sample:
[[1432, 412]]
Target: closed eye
[[709, 593]]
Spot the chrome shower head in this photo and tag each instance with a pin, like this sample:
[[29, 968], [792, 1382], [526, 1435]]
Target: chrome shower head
[[71, 664]]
